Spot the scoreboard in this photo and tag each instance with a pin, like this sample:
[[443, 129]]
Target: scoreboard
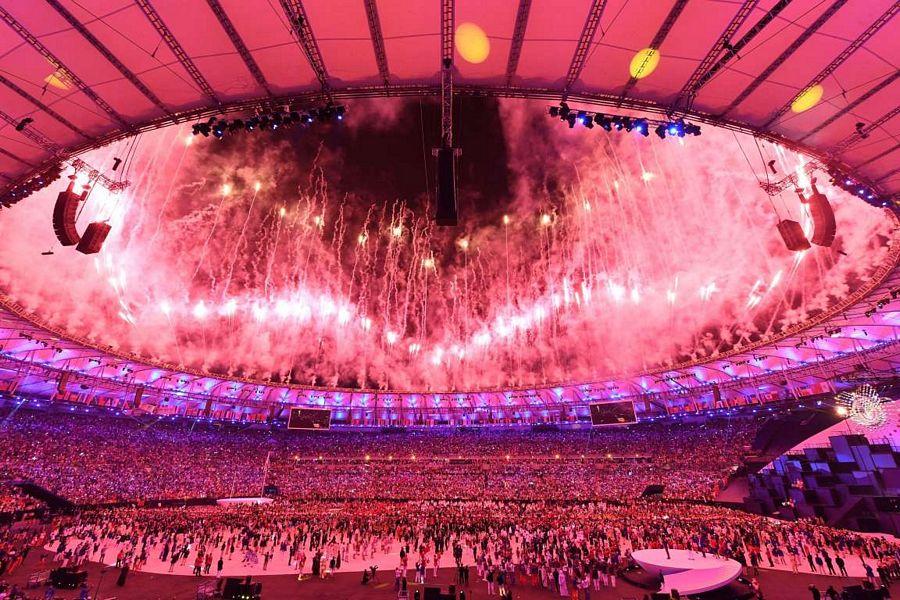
[[310, 418], [613, 413]]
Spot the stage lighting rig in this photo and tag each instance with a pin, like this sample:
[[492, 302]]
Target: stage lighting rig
[[269, 119], [640, 125], [857, 188], [36, 182]]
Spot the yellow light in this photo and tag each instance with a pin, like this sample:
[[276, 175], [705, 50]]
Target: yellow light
[[841, 411], [396, 231], [226, 189], [188, 140], [367, 457], [644, 63], [808, 98], [506, 219], [282, 211], [428, 263], [361, 239], [257, 186], [57, 79], [472, 43], [546, 219], [463, 244]]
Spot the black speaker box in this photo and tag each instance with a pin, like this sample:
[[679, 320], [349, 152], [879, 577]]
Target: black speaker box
[[93, 237], [793, 237], [64, 218], [446, 213]]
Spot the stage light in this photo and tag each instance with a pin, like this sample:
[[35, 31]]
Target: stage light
[[570, 119], [554, 111], [546, 219], [257, 186], [661, 131], [641, 126], [563, 110], [603, 121], [506, 219]]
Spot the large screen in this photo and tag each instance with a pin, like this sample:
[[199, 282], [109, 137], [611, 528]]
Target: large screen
[[309, 418], [613, 413]]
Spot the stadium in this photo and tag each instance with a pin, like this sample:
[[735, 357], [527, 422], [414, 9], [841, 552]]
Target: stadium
[[448, 299]]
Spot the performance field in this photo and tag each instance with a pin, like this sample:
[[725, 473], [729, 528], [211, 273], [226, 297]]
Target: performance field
[[449, 300]]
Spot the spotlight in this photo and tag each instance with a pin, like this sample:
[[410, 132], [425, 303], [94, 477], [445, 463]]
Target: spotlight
[[661, 131], [603, 121], [642, 127], [570, 118], [554, 111], [563, 110], [583, 117]]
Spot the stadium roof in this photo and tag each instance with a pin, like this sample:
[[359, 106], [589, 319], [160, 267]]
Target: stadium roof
[[87, 71]]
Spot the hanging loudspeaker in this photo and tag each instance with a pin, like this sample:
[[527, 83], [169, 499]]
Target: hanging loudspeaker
[[793, 237], [64, 215], [93, 237], [824, 226]]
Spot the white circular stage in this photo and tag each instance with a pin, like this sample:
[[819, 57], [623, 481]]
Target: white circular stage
[[687, 571], [233, 501]]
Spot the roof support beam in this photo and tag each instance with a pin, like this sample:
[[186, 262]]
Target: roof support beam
[[591, 24], [881, 85], [5, 152], [731, 50], [107, 54], [42, 106], [658, 40], [300, 26], [62, 70], [166, 34], [878, 156], [858, 136], [888, 175], [840, 59], [515, 47], [239, 45], [32, 134], [377, 41], [688, 91], [788, 52]]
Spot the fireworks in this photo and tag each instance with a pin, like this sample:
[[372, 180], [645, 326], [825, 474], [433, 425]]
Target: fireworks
[[604, 272]]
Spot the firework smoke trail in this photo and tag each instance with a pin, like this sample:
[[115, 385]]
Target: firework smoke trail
[[651, 252]]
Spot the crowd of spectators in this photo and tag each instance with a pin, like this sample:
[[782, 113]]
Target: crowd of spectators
[[14, 500], [570, 552], [98, 459]]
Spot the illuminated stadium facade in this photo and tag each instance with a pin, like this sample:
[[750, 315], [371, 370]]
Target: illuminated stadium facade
[[90, 86]]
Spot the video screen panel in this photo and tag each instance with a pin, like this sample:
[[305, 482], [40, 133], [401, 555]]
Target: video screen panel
[[613, 413], [310, 418]]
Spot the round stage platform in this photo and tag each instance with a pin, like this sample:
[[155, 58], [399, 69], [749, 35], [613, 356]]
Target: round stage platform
[[687, 571], [247, 500]]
